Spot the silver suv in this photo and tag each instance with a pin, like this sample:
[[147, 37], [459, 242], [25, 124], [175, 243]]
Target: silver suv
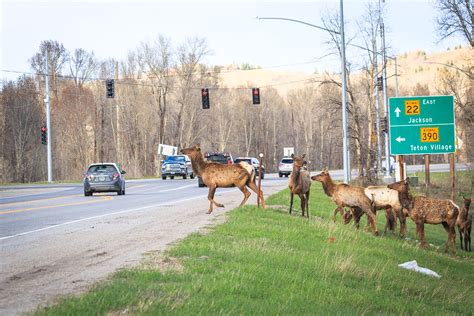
[[285, 167]]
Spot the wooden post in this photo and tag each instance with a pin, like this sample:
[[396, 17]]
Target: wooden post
[[259, 179], [427, 174], [401, 167], [451, 168]]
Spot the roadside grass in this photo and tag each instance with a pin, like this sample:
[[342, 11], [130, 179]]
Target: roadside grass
[[267, 262]]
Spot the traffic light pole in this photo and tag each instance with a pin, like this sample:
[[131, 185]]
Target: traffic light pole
[[48, 123]]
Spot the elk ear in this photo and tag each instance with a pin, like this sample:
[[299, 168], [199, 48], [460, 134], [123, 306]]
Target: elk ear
[[302, 157], [198, 147], [407, 181]]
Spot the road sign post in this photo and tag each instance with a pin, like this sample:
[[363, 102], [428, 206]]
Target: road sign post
[[422, 125]]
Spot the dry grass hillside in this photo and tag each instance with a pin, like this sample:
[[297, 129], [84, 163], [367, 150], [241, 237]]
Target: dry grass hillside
[[413, 67]]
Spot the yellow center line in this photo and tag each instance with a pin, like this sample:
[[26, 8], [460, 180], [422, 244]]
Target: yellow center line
[[103, 198], [58, 197], [37, 200]]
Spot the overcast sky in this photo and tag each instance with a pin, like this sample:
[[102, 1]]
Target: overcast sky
[[234, 35]]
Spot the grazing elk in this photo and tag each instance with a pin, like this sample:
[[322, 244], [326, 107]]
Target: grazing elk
[[464, 223], [300, 183], [216, 175], [382, 198], [422, 209], [347, 195]]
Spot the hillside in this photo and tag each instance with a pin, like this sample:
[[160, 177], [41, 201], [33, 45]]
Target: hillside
[[413, 67]]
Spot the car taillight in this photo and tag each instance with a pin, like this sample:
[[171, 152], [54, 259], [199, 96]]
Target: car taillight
[[281, 165], [229, 162], [89, 177], [116, 175]]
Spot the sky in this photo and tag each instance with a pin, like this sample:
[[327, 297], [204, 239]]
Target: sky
[[113, 28]]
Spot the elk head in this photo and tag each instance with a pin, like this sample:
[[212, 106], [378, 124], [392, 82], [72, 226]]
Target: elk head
[[322, 177], [400, 186], [191, 151], [298, 162]]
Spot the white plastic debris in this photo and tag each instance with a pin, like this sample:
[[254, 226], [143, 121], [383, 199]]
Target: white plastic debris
[[412, 265]]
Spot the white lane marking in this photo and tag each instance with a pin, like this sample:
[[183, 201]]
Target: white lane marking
[[104, 215], [168, 190]]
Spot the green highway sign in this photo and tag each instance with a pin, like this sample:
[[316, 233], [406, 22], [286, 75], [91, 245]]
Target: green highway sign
[[422, 125]]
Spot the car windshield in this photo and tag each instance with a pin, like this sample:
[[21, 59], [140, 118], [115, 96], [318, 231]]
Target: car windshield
[[243, 159], [175, 159], [287, 161], [217, 158], [102, 169]]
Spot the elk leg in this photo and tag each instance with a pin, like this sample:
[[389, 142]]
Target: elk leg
[[307, 204], [371, 219], [420, 227], [448, 230], [210, 197], [461, 237], [303, 203], [255, 189], [452, 232], [468, 239], [291, 201], [246, 194], [403, 222], [339, 209]]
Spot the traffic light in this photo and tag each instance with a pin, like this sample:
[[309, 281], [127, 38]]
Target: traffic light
[[383, 124], [380, 83], [256, 95], [109, 86], [44, 135], [205, 98]]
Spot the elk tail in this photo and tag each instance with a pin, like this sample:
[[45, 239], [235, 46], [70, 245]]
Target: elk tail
[[249, 169]]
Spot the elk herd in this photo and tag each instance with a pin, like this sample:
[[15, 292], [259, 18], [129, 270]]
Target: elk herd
[[395, 199]]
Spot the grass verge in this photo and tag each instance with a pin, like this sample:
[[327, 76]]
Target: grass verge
[[266, 262]]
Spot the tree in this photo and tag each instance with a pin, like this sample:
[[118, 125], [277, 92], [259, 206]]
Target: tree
[[456, 17], [82, 65]]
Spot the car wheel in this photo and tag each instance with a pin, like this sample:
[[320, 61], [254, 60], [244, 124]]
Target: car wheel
[[280, 175], [163, 177], [171, 177], [87, 193], [185, 176], [192, 176], [120, 192], [123, 191], [263, 176]]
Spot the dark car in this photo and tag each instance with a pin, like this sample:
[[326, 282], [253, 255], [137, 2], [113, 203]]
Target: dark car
[[223, 158], [104, 177], [253, 162], [178, 165]]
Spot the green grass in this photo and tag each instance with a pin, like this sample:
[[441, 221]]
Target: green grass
[[267, 262]]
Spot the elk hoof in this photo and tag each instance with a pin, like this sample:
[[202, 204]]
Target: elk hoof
[[220, 205], [209, 212], [376, 233]]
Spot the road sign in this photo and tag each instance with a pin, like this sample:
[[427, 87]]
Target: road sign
[[288, 151], [422, 125]]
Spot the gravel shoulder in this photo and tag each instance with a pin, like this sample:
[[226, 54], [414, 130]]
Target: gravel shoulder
[[38, 269]]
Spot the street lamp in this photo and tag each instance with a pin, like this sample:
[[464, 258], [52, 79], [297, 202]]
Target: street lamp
[[345, 150]]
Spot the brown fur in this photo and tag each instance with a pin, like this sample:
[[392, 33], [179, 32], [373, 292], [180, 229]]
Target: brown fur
[[427, 210], [464, 224], [300, 183], [347, 195], [216, 175], [356, 214]]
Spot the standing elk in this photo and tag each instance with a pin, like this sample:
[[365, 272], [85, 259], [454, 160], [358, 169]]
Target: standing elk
[[216, 175], [464, 223], [300, 183], [422, 209], [346, 195]]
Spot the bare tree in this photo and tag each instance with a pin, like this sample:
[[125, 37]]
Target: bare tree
[[456, 17], [82, 65]]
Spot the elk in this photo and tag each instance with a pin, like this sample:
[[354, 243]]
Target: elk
[[216, 175], [422, 209], [346, 195], [383, 198], [300, 183], [464, 224]]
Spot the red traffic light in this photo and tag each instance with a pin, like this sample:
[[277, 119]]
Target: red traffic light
[[43, 129], [256, 95]]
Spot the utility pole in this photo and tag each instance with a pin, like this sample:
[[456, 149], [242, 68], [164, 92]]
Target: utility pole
[[345, 140], [48, 122], [377, 111], [117, 112], [385, 99]]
